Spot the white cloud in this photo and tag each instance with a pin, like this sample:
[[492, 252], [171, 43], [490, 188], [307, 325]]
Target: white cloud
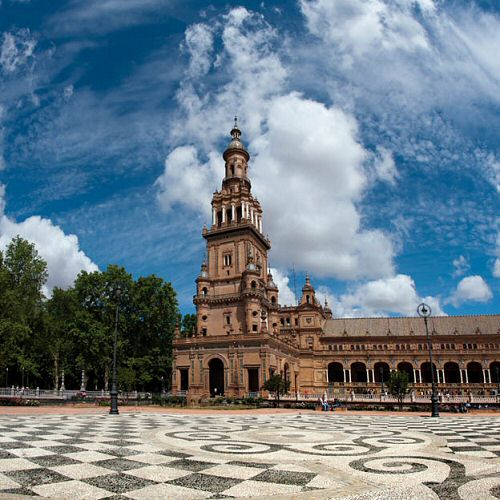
[[406, 70], [461, 265], [356, 27], [286, 295], [199, 44], [496, 264], [393, 295], [185, 180], [471, 289], [307, 166], [17, 50], [103, 16], [385, 166], [61, 251]]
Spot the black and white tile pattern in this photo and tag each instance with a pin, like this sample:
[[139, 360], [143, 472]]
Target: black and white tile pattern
[[197, 456]]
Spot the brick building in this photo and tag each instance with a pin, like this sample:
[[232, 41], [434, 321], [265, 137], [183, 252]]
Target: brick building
[[243, 334]]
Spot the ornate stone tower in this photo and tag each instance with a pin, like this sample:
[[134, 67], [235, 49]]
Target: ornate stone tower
[[235, 292]]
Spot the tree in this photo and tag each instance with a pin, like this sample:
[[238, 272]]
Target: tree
[[398, 386], [23, 274], [277, 385], [188, 325]]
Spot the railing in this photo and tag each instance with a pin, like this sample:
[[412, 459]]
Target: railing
[[16, 392], [377, 398]]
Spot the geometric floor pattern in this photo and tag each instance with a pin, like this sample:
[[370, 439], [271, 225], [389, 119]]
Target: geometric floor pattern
[[304, 455]]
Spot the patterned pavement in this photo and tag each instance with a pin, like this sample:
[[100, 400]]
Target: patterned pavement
[[306, 455]]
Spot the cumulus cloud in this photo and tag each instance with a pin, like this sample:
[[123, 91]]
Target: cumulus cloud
[[393, 295], [471, 289], [286, 294], [61, 251], [308, 164], [461, 266]]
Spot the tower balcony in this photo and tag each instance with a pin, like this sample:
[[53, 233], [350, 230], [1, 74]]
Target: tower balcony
[[233, 228]]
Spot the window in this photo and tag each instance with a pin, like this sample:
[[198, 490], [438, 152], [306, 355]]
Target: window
[[204, 332], [282, 321], [204, 291], [228, 319], [296, 321], [228, 260], [254, 328], [253, 284], [273, 300], [308, 299]]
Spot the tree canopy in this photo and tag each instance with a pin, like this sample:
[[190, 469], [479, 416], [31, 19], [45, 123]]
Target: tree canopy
[[73, 329]]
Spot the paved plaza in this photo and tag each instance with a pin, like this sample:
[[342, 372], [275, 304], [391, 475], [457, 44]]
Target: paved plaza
[[309, 455]]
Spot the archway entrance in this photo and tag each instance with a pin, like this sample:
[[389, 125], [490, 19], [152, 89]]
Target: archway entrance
[[335, 373], [216, 371], [406, 367], [475, 373], [452, 373], [358, 372]]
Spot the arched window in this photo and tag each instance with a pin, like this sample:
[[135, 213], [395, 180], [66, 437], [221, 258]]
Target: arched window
[[273, 300], [204, 291], [253, 284]]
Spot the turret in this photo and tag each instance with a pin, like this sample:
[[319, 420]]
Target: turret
[[308, 294]]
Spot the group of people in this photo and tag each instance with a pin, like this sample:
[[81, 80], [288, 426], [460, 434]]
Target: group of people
[[327, 405]]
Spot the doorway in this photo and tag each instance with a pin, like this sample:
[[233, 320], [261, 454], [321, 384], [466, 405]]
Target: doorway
[[216, 371]]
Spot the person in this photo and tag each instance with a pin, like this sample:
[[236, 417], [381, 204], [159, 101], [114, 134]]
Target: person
[[325, 405]]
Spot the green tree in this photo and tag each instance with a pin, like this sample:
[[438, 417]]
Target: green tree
[[23, 274], [278, 385], [398, 386], [188, 325]]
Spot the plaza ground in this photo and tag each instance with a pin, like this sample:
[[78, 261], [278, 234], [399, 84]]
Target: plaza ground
[[151, 452]]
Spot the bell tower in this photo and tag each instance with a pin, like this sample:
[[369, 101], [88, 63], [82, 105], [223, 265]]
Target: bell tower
[[233, 293]]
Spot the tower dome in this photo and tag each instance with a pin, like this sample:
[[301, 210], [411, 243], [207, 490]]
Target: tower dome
[[235, 146]]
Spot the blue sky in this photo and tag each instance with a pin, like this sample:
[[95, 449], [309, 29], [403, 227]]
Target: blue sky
[[373, 126]]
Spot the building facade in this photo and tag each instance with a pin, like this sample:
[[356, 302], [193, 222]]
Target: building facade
[[243, 335]]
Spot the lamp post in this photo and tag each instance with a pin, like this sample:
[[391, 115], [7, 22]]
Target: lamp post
[[424, 311], [114, 392]]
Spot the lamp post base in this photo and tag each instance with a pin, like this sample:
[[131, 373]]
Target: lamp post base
[[434, 406], [114, 404]]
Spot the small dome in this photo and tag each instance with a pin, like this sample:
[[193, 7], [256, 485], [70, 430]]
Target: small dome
[[235, 144], [270, 283]]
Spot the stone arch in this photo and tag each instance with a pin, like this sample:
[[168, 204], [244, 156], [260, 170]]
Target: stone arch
[[452, 372], [216, 376], [475, 373], [335, 372], [382, 371], [405, 366], [358, 372]]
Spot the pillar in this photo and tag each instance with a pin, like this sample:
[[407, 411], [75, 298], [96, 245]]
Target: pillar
[[368, 375], [233, 212], [349, 375], [415, 380], [223, 214], [485, 376], [466, 377], [252, 216], [214, 216], [488, 371], [345, 376], [438, 376], [461, 376], [443, 378], [260, 224]]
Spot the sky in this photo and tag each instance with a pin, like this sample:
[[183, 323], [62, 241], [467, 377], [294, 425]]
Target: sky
[[373, 128]]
